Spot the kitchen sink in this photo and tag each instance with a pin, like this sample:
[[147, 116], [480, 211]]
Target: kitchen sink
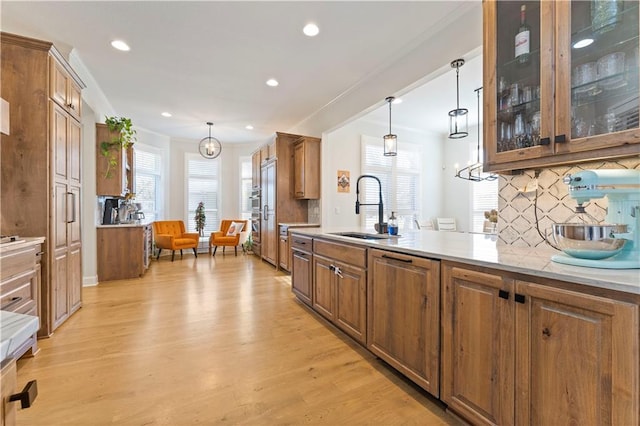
[[362, 235]]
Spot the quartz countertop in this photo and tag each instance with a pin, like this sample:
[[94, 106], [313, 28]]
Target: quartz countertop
[[15, 329], [298, 224], [124, 225], [21, 243], [484, 250]]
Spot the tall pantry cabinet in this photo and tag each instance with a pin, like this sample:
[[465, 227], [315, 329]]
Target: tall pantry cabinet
[[41, 167]]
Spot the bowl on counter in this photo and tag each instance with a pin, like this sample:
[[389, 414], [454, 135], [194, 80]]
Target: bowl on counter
[[589, 241]]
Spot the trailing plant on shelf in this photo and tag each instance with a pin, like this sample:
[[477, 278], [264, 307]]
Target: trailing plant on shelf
[[200, 218], [124, 137]]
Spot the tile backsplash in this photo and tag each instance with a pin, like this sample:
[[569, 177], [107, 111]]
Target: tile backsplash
[[516, 201]]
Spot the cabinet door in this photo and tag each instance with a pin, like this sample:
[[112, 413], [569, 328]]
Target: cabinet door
[[75, 152], [110, 179], [61, 205], [255, 170], [283, 251], [73, 216], [478, 345], [403, 316], [58, 81], [518, 91], [269, 235], [75, 99], [75, 279], [59, 286], [351, 300], [597, 85], [301, 276], [298, 170], [577, 358], [59, 141], [323, 286]]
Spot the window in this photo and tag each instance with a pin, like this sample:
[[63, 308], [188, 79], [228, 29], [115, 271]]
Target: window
[[203, 185], [245, 187], [148, 181], [400, 177]]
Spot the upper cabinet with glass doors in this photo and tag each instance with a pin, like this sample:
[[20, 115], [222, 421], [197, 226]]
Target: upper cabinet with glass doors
[[561, 82]]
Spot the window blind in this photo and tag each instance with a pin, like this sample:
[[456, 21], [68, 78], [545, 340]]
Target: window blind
[[203, 186]]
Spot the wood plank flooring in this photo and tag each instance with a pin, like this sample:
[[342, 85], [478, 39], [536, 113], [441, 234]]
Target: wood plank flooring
[[211, 341]]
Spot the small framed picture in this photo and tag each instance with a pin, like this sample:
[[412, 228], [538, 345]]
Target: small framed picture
[[344, 182]]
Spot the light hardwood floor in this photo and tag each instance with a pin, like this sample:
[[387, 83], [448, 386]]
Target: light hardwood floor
[[211, 341]]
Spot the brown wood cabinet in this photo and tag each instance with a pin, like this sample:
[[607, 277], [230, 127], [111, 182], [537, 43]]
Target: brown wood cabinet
[[340, 286], [41, 167], [306, 168], [8, 387], [517, 352], [278, 203], [403, 315], [123, 251], [302, 268], [552, 106], [113, 181], [284, 250], [255, 169], [19, 284]]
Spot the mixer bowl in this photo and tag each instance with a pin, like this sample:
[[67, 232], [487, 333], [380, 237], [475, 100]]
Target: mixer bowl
[[588, 241]]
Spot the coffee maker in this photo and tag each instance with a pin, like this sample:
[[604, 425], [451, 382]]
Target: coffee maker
[[110, 213]]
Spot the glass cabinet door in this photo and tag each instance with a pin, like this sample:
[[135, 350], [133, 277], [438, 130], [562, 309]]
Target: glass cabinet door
[[599, 108], [522, 103]]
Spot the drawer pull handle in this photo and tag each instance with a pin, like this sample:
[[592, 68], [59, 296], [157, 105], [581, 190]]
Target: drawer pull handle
[[27, 396], [395, 258], [503, 294], [13, 301], [300, 242], [40, 253]]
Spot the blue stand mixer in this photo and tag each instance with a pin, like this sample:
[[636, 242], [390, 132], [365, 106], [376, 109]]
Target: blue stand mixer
[[615, 245]]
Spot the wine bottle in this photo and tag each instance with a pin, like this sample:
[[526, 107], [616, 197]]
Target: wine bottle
[[522, 39]]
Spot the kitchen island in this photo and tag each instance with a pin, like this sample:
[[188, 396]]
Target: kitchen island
[[500, 334]]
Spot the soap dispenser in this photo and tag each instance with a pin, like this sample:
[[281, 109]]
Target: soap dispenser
[[392, 225]]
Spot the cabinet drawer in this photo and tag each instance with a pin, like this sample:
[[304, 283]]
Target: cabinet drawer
[[17, 293], [345, 253], [18, 261], [301, 243]]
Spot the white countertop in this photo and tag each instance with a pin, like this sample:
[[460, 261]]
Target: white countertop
[[483, 250], [124, 225], [15, 329], [21, 243], [298, 224]]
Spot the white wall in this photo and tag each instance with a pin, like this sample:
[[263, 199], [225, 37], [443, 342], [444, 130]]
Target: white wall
[[341, 150]]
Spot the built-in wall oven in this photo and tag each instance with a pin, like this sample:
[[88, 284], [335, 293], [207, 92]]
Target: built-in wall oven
[[254, 200]]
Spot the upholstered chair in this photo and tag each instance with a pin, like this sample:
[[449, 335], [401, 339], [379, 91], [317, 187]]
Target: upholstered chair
[[171, 235], [232, 233]]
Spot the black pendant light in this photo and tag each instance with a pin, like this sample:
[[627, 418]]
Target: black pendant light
[[459, 117], [390, 140], [210, 147]]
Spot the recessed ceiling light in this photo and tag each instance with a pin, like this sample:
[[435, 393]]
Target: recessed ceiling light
[[120, 45], [582, 43], [249, 127], [166, 114], [397, 101], [311, 30], [272, 82]]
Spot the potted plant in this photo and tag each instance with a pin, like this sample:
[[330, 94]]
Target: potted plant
[[200, 218], [124, 137], [248, 245]]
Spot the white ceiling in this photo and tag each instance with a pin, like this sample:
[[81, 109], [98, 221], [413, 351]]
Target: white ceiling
[[209, 60]]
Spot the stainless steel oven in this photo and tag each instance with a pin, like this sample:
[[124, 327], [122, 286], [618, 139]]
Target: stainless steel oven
[[254, 199]]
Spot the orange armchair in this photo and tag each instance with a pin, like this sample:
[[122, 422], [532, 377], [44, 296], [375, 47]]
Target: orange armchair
[[171, 235], [222, 237]]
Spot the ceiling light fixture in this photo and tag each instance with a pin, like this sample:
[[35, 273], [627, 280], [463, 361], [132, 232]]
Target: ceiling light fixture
[[311, 30], [120, 45], [249, 127], [397, 101], [272, 82], [166, 114], [458, 118], [210, 147], [390, 140], [474, 172], [582, 43]]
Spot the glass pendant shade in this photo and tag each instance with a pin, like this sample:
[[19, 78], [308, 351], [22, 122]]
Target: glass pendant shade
[[210, 147], [458, 123], [390, 145], [390, 140], [458, 118]]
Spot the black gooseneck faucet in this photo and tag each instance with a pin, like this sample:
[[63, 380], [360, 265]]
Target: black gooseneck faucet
[[379, 204]]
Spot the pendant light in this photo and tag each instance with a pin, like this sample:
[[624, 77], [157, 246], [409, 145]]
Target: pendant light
[[474, 172], [458, 118], [390, 140], [210, 147]]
